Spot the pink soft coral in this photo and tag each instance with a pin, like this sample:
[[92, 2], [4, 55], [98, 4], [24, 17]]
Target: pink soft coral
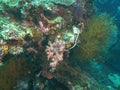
[[55, 52], [44, 29]]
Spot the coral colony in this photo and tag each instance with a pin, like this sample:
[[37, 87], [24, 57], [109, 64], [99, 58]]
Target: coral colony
[[51, 39], [43, 29], [55, 52]]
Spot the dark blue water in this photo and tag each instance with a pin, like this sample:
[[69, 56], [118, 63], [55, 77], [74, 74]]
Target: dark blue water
[[111, 7]]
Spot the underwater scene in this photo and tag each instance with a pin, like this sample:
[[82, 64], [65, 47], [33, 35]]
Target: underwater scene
[[59, 44]]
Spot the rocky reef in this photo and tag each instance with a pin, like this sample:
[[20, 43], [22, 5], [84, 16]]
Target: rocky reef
[[45, 43]]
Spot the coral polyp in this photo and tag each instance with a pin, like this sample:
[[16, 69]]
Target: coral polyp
[[12, 31], [15, 50]]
